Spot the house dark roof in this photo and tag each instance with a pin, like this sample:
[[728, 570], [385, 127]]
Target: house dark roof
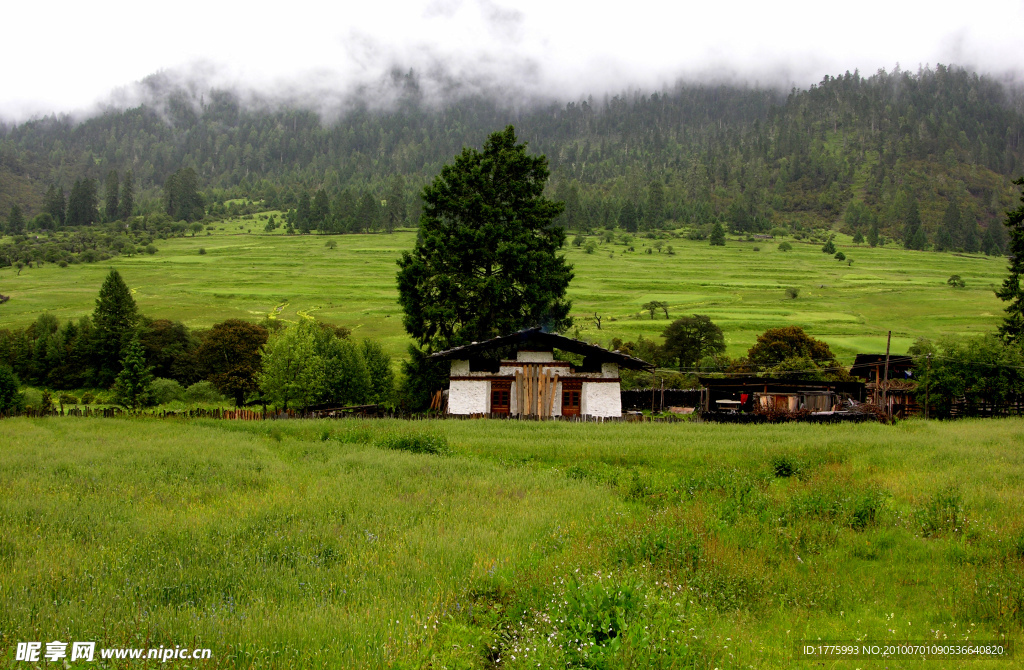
[[535, 337], [759, 384], [865, 364]]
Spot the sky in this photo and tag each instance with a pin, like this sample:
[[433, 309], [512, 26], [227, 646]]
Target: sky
[[72, 56]]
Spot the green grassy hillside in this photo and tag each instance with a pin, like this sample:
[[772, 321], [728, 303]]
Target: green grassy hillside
[[310, 544], [251, 276]]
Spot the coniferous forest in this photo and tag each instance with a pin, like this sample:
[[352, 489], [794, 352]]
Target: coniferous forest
[[925, 158]]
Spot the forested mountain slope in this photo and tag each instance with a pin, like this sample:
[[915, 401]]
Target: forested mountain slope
[[939, 146]]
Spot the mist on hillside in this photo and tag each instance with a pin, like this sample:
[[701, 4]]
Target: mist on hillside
[[329, 59]]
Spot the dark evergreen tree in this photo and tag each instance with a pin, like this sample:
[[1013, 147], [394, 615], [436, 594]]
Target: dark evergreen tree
[[302, 213], [654, 214], [368, 216], [1012, 329], [628, 219], [994, 241], [111, 197], [320, 211], [131, 388], [873, 234], [395, 210], [344, 212], [11, 399], [56, 205], [717, 237], [913, 234], [114, 321], [83, 204], [486, 262], [127, 204], [15, 221], [182, 199]]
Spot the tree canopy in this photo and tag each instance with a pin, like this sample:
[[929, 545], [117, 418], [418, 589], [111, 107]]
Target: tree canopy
[[789, 350], [1012, 329], [114, 321], [486, 261], [691, 338], [230, 357]]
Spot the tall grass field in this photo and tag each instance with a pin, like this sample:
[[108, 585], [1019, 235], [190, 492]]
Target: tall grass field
[[492, 544], [742, 287]]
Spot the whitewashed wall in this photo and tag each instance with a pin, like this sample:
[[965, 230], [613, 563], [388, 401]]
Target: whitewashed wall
[[469, 397], [601, 399]]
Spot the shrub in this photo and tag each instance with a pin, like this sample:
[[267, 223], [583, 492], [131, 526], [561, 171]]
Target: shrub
[[88, 398], [417, 443], [590, 247], [578, 241], [956, 281], [67, 399], [202, 251], [829, 247], [785, 466], [840, 256], [792, 293], [10, 398], [785, 246], [757, 248], [943, 511], [163, 391], [203, 391], [151, 249], [331, 244]]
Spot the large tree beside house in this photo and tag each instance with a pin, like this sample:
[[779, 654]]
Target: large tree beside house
[[486, 262]]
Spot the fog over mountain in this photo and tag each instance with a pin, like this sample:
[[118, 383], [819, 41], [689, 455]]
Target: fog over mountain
[[320, 57]]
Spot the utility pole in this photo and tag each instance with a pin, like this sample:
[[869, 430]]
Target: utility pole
[[661, 407], [927, 385], [885, 382]]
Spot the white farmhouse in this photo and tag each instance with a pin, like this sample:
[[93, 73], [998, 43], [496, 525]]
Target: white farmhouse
[[517, 375]]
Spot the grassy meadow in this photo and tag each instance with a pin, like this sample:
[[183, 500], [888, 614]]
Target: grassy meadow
[[519, 545], [252, 275]]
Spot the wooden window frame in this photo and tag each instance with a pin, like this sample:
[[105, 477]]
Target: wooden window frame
[[505, 387], [570, 387]]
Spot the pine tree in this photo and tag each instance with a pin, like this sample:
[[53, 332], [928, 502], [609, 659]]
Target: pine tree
[[949, 234], [628, 218], [873, 235], [131, 387], [718, 235], [368, 214], [395, 211], [912, 232], [182, 200], [114, 321], [320, 211], [655, 212], [83, 204], [1012, 329], [15, 221], [56, 205], [486, 262], [127, 205], [344, 212], [302, 213], [111, 194]]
